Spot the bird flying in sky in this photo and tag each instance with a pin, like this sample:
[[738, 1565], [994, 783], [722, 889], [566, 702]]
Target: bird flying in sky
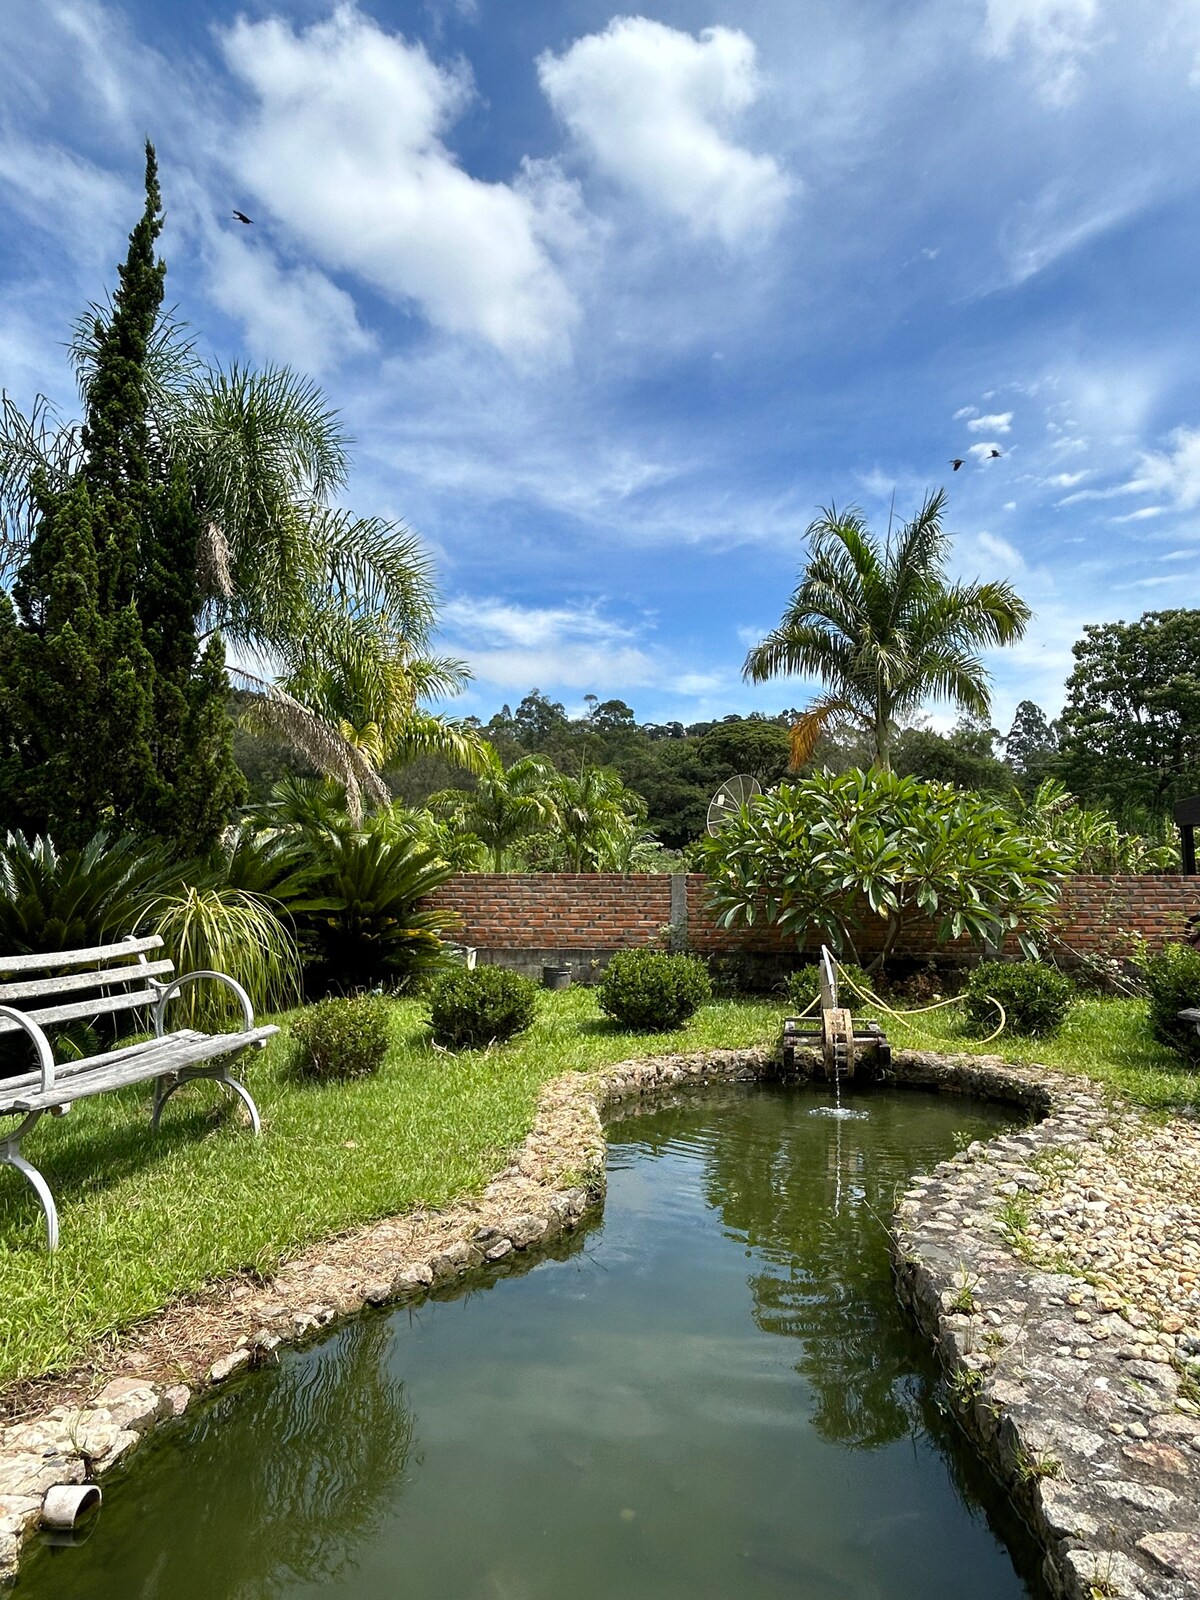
[[992, 453], [957, 462], [242, 217]]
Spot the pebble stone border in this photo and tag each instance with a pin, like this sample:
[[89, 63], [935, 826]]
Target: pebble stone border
[[1084, 1423]]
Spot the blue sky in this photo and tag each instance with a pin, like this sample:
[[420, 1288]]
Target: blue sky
[[613, 301]]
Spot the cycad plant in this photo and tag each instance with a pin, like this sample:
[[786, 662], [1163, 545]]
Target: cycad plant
[[882, 626], [53, 900], [362, 920]]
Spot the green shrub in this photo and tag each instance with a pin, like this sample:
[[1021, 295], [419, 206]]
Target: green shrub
[[804, 985], [341, 1038], [1173, 979], [650, 990], [473, 1008], [1035, 997]]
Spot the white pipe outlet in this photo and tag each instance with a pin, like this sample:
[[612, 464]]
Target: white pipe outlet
[[66, 1504]]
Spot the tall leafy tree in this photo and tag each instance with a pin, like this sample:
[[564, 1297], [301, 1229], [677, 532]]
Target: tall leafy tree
[[107, 711], [1031, 745], [881, 624], [1131, 726]]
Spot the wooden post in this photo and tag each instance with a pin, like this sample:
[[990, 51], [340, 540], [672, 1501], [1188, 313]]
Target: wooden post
[[1187, 818]]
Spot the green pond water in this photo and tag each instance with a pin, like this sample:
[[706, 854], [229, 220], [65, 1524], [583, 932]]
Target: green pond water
[[709, 1393]]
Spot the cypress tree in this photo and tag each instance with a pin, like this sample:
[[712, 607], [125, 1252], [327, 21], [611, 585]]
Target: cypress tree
[[107, 716]]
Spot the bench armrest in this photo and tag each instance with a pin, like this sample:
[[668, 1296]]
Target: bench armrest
[[170, 990], [41, 1044]]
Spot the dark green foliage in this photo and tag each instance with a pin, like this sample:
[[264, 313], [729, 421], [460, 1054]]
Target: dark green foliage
[[964, 757], [341, 1038], [804, 985], [650, 990], [1031, 745], [1173, 980], [359, 914], [471, 1009], [72, 899], [1035, 997], [1131, 726], [818, 857], [107, 719], [752, 745]]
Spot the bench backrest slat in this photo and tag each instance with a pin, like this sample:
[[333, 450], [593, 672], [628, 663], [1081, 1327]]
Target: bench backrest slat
[[101, 978], [56, 960], [82, 1009]]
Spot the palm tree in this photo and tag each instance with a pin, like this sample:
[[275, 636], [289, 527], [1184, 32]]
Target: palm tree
[[352, 718], [317, 605], [504, 807], [884, 629], [595, 813]]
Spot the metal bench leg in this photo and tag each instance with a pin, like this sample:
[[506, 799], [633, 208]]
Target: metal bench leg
[[10, 1156], [164, 1088]]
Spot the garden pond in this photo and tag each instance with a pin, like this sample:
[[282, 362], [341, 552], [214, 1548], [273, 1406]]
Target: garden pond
[[708, 1392]]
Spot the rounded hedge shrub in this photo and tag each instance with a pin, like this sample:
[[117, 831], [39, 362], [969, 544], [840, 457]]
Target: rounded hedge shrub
[[804, 986], [1173, 981], [649, 990], [487, 1005], [341, 1038], [1035, 997]]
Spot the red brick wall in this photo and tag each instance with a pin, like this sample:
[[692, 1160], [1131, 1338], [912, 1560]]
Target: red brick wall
[[565, 911], [558, 910]]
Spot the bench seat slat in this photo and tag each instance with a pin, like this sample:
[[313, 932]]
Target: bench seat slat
[[102, 978], [100, 1005], [135, 1064], [79, 958], [1190, 1016]]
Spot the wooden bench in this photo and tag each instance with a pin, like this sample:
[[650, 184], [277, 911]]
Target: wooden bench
[[109, 978], [1191, 1016]]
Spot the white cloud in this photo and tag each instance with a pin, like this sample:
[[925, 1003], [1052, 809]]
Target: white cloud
[[964, 411], [67, 195], [512, 646], [1053, 35], [651, 106], [998, 422], [295, 316], [1143, 515], [994, 548], [503, 623], [1174, 472], [345, 150], [1064, 480]]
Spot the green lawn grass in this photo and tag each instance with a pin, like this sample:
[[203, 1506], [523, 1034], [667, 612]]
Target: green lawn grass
[[1108, 1040], [145, 1217]]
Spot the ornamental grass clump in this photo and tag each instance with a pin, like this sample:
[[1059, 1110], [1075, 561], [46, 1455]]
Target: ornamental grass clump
[[648, 990], [1173, 982], [470, 1009], [1035, 997], [340, 1038]]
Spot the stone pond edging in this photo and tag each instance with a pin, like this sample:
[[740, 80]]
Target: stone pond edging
[[1084, 1423]]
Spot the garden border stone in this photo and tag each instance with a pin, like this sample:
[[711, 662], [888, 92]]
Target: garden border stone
[[1090, 1433]]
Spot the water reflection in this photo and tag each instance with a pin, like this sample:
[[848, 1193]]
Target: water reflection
[[813, 1199], [341, 1435]]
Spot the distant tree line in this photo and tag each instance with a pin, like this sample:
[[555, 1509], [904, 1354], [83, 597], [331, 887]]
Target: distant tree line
[[1128, 739]]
